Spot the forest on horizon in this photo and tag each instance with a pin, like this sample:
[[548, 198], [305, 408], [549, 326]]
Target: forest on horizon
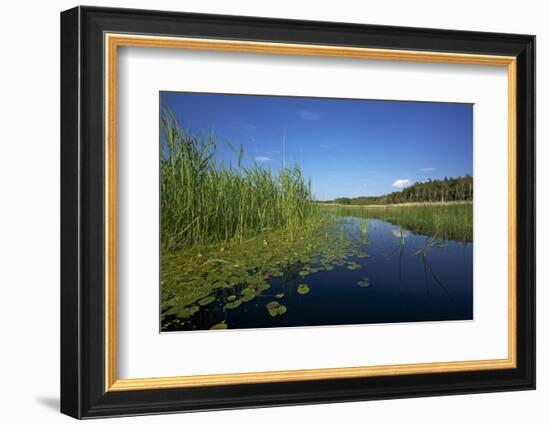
[[437, 190]]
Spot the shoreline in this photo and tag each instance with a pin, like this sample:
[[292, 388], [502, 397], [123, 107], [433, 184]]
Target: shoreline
[[404, 204]]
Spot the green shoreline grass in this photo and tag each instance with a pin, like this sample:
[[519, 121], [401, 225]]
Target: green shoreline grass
[[404, 204], [447, 220]]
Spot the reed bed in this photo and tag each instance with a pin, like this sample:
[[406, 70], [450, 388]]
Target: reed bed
[[444, 220], [206, 201]]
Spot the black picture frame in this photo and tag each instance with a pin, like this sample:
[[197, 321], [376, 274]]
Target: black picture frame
[[83, 392]]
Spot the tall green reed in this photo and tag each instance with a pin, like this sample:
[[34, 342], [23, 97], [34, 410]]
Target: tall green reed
[[206, 201]]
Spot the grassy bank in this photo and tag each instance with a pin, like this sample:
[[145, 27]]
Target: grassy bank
[[205, 201], [452, 220]]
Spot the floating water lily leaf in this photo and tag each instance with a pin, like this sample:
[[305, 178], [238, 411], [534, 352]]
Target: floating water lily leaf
[[186, 312], [233, 304], [231, 298], [303, 273], [264, 287], [279, 296], [221, 325], [364, 283], [353, 266], [275, 309], [247, 297], [248, 290], [303, 289], [206, 301], [219, 284]]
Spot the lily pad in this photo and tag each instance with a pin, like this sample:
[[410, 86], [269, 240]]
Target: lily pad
[[231, 298], [186, 312], [264, 287], [303, 288], [247, 297], [275, 309], [248, 290], [303, 273], [221, 325], [207, 300], [364, 283], [279, 296], [353, 266], [233, 304]]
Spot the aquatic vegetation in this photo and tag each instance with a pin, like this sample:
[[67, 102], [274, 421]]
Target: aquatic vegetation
[[205, 201], [251, 273], [221, 325], [276, 309], [248, 294], [364, 283], [353, 265], [364, 227], [183, 312], [241, 271], [206, 301], [452, 221], [303, 289], [431, 243], [233, 304]]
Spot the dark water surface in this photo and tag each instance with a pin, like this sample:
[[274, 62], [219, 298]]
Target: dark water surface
[[410, 278]]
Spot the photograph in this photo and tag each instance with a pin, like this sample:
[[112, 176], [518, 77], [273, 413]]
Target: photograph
[[284, 211]]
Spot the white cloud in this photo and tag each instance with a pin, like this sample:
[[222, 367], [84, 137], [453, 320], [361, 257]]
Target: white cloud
[[263, 159], [401, 183], [427, 169], [309, 115]]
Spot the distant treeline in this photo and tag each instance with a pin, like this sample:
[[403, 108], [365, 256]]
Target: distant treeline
[[448, 189]]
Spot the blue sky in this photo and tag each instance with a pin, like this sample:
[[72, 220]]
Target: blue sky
[[348, 147]]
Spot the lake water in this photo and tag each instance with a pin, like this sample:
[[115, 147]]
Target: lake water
[[405, 278]]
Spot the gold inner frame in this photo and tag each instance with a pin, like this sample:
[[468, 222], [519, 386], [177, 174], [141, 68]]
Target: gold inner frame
[[113, 41]]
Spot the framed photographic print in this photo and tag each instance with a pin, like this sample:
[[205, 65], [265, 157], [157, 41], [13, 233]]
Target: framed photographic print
[[261, 212]]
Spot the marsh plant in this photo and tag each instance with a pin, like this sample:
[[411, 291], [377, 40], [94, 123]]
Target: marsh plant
[[205, 201], [442, 220]]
